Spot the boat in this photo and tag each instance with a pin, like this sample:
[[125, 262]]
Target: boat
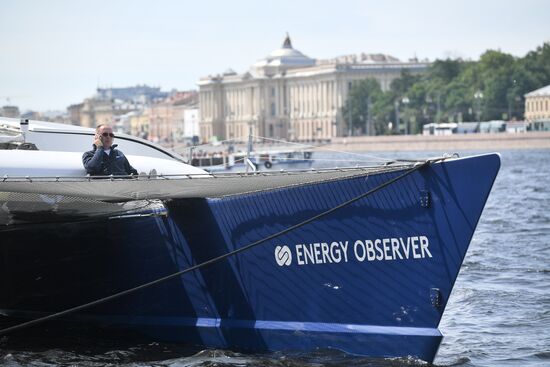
[[359, 259], [286, 157]]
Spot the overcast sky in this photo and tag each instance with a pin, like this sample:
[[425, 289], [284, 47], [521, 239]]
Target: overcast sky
[[56, 53]]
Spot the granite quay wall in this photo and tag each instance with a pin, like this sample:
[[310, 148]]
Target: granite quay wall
[[449, 143]]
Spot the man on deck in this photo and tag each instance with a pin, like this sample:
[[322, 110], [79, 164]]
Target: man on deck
[[104, 159]]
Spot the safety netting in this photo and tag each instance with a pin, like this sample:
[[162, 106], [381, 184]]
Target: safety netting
[[42, 199]]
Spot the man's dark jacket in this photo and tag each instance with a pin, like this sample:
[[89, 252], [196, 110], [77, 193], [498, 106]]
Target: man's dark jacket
[[99, 163]]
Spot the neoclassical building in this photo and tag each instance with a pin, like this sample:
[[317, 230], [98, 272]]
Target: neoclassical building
[[288, 95], [537, 108]]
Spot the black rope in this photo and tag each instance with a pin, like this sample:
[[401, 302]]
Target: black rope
[[216, 259]]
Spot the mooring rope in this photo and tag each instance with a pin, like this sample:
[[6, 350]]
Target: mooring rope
[[416, 167]]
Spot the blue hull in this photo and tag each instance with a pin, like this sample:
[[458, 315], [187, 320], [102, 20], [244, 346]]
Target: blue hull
[[371, 278]]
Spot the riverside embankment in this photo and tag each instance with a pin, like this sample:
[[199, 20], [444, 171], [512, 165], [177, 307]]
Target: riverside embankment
[[481, 141]]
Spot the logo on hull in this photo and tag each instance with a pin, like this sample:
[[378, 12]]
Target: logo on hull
[[283, 255], [379, 249]]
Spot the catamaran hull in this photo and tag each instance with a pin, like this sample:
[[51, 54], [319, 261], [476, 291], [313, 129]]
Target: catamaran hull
[[371, 278]]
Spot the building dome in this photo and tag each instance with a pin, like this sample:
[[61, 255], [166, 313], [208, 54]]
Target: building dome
[[287, 52], [283, 59], [229, 71]]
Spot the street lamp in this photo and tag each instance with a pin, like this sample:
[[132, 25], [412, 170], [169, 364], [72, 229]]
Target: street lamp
[[350, 131], [478, 96], [367, 120], [405, 102], [396, 106], [318, 132], [427, 109], [512, 102], [293, 123], [429, 101], [335, 122]]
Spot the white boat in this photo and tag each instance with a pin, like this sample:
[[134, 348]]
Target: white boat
[[285, 157], [45, 148]]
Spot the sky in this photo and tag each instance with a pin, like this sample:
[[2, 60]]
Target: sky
[[55, 53]]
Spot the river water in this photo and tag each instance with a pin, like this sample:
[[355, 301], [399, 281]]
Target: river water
[[498, 313]]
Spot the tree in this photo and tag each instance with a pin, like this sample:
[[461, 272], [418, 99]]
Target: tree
[[446, 92], [401, 85], [359, 108], [495, 69], [445, 71]]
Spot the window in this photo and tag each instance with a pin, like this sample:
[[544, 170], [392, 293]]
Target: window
[[272, 91], [273, 111]]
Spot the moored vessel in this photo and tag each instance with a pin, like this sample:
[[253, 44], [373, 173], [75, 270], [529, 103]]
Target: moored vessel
[[358, 259]]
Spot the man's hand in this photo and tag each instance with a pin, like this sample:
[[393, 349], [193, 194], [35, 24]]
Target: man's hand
[[98, 141]]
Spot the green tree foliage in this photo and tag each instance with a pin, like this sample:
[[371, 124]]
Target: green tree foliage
[[446, 92], [444, 71], [363, 107]]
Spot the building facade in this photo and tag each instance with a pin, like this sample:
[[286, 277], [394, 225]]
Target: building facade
[[167, 118], [537, 108], [10, 111], [95, 111], [74, 113], [139, 123], [288, 95], [108, 105]]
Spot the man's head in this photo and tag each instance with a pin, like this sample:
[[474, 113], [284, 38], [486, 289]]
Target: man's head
[[105, 133]]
